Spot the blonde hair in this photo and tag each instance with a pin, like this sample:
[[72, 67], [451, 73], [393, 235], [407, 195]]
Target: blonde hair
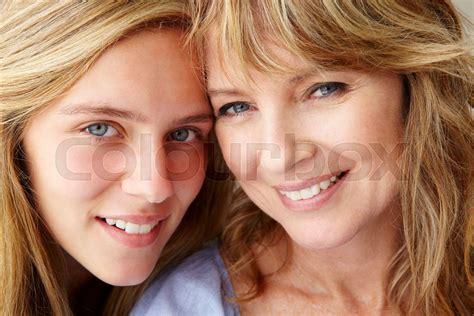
[[423, 41], [45, 47]]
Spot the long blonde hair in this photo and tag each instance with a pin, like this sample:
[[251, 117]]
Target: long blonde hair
[[424, 42], [45, 47]]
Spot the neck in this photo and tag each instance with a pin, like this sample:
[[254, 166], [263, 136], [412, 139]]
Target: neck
[[355, 273]]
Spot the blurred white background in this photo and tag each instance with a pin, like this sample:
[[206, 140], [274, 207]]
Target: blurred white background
[[466, 7]]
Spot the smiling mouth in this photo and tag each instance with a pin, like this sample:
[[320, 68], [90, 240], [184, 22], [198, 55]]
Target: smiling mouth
[[129, 227], [313, 190]]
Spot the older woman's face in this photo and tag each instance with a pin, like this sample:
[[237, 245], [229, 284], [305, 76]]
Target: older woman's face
[[117, 161], [316, 151]]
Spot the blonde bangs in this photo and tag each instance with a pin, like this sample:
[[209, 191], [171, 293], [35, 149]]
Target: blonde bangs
[[330, 34]]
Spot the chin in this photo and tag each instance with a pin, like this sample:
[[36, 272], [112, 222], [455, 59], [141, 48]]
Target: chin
[[323, 240], [125, 281], [125, 277]]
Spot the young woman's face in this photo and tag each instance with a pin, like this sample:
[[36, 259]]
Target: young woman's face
[[316, 151], [116, 162]]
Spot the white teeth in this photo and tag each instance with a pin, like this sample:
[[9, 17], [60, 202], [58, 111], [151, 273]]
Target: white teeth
[[131, 228], [110, 221], [306, 193], [325, 184], [311, 191], [295, 195], [315, 189], [121, 224], [145, 229]]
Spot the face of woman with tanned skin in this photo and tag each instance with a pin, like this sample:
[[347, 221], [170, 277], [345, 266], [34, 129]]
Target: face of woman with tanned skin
[[116, 162], [316, 151]]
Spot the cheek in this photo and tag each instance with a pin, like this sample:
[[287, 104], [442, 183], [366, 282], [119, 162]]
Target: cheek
[[69, 175], [108, 162], [380, 148], [75, 162], [262, 195], [239, 149], [183, 164], [368, 136]]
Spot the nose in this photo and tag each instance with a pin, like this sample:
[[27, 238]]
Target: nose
[[149, 180], [283, 144]]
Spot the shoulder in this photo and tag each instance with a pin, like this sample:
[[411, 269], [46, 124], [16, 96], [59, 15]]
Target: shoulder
[[197, 286]]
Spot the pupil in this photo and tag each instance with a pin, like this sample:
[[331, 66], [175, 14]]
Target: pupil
[[331, 87], [98, 129], [240, 107], [181, 135]]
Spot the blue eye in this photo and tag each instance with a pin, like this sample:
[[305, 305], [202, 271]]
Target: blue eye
[[183, 135], [326, 89], [101, 130], [233, 108]]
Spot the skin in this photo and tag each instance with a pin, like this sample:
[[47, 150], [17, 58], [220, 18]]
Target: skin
[[310, 127], [134, 124]]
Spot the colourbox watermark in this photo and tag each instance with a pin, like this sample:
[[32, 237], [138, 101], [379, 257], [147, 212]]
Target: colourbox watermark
[[372, 160]]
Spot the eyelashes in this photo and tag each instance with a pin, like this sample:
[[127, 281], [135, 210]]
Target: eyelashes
[[318, 91], [233, 108], [102, 131], [185, 135], [327, 89]]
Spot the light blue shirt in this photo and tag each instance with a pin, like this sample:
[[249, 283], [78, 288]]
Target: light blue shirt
[[200, 285]]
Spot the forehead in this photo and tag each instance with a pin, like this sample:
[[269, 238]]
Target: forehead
[[147, 48], [148, 68], [228, 65]]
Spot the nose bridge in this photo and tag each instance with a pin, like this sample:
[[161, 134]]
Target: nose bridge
[[151, 159], [150, 178]]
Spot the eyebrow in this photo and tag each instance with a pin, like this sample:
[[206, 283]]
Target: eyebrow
[[102, 109], [229, 92], [299, 78], [236, 92], [199, 118], [107, 109]]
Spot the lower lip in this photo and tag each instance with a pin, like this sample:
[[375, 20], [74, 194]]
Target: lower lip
[[131, 240], [314, 203]]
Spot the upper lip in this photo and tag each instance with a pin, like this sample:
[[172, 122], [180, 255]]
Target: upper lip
[[137, 218], [305, 184]]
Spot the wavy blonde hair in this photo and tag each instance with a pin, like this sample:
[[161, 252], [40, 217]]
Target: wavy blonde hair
[[45, 47], [424, 41]]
